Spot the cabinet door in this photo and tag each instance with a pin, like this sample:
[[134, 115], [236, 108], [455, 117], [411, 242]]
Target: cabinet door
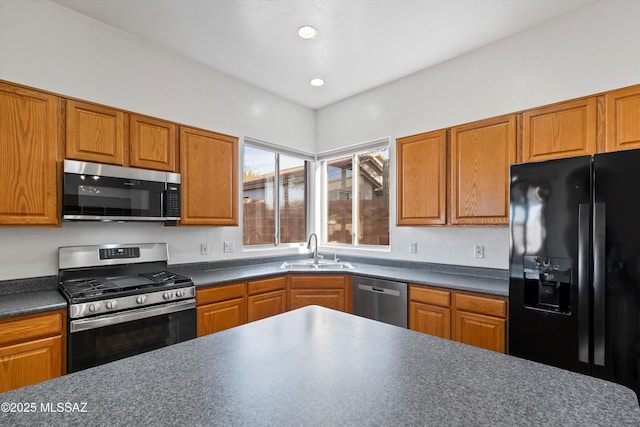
[[95, 133], [330, 298], [422, 178], [623, 119], [266, 305], [481, 154], [562, 130], [30, 362], [327, 290], [30, 150], [480, 330], [208, 164], [221, 315], [152, 143], [430, 319]]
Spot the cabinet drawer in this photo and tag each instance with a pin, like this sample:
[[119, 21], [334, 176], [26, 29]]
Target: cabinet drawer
[[482, 305], [267, 285], [316, 281], [23, 328], [430, 296], [219, 293]]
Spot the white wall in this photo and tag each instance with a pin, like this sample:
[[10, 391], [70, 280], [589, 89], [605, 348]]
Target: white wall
[[49, 47], [589, 51]]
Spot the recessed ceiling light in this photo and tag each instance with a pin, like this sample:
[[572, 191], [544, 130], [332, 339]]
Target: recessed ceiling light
[[317, 82], [307, 32]]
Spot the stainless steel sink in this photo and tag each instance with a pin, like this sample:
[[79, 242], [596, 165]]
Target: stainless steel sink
[[321, 265]]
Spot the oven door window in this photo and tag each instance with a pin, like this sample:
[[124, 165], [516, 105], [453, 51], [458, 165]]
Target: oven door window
[[105, 344], [104, 196]]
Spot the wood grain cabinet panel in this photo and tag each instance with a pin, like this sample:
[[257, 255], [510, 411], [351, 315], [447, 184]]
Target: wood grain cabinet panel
[[95, 133], [429, 310], [327, 290], [30, 153], [480, 320], [267, 297], [481, 154], [32, 349], [430, 319], [422, 178], [208, 165], [220, 307], [267, 304], [623, 119], [474, 319], [480, 331], [152, 143], [567, 129]]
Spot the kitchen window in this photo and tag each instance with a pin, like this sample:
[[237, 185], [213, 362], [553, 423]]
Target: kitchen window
[[356, 194], [274, 195]]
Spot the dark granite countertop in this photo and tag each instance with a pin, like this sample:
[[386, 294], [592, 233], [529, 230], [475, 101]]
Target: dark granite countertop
[[30, 302], [407, 272], [315, 366], [26, 296]]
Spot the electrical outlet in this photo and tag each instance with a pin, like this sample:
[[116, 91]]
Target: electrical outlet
[[228, 246], [478, 251], [204, 248], [413, 247]]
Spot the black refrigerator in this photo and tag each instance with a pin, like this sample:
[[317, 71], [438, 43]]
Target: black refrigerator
[[574, 265]]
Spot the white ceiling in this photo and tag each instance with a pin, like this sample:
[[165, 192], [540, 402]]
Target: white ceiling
[[361, 44]]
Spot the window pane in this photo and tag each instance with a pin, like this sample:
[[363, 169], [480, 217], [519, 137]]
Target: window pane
[[373, 197], [339, 196], [258, 188], [293, 189]]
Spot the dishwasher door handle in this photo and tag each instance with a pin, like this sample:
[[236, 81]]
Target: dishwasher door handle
[[377, 290]]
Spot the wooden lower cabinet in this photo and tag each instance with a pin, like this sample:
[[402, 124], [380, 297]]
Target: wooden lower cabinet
[[480, 320], [474, 319], [32, 349], [480, 331], [220, 308], [267, 297], [327, 290]]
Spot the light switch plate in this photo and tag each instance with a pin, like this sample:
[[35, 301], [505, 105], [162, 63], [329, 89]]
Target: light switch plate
[[228, 246]]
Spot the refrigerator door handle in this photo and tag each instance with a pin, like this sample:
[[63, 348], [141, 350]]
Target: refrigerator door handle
[[583, 282], [599, 266]]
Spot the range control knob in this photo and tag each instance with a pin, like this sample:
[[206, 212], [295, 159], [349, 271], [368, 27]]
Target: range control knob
[[167, 295], [179, 293], [94, 307], [141, 299], [111, 304]]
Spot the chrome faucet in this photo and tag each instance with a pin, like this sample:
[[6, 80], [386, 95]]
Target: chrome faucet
[[315, 251]]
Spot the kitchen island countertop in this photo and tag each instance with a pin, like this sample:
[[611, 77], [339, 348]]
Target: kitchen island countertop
[[315, 366]]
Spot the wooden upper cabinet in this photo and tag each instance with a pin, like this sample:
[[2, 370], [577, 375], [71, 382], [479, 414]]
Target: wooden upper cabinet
[[481, 153], [422, 178], [152, 143], [567, 129], [30, 150], [208, 165], [623, 119], [95, 133]]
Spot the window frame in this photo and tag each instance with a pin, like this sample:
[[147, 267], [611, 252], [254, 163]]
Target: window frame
[[278, 151], [354, 152]]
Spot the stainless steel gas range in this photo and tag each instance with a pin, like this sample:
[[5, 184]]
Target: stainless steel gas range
[[122, 301]]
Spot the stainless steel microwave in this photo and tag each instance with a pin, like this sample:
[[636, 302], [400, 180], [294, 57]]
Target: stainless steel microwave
[[99, 192]]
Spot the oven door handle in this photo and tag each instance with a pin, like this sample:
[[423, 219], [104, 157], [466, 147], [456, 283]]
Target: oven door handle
[[129, 316]]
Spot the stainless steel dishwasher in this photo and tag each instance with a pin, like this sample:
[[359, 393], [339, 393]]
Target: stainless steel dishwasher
[[382, 300]]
